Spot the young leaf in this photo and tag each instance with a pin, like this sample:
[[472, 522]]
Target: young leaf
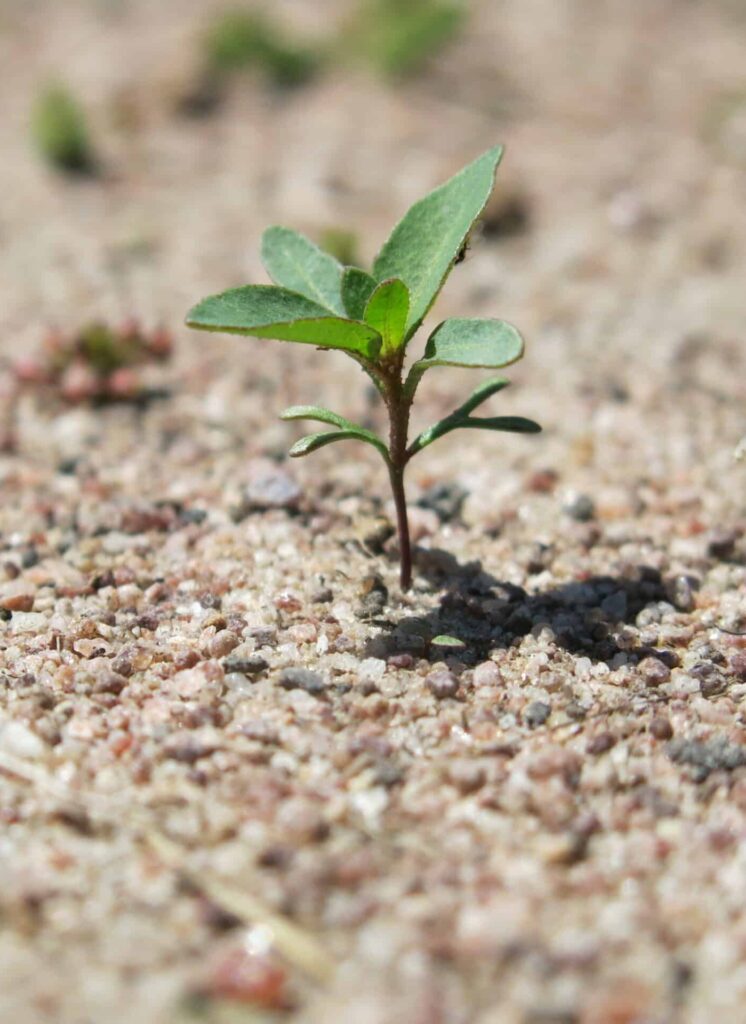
[[424, 245], [464, 342], [264, 311], [294, 262], [357, 288], [481, 394], [512, 424], [316, 412], [386, 312], [312, 442]]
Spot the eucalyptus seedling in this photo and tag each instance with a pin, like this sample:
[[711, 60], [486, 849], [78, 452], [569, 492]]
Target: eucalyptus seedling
[[372, 317]]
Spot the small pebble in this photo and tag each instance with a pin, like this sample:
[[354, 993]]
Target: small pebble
[[654, 672], [537, 713], [601, 743], [661, 728], [579, 506], [442, 683], [302, 679]]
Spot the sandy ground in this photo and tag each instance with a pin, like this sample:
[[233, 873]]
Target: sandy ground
[[215, 705]]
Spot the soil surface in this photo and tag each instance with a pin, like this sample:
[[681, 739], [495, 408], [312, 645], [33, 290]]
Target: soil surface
[[238, 779]]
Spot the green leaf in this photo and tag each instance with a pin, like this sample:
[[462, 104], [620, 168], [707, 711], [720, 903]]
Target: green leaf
[[386, 312], [424, 245], [482, 393], [312, 442], [357, 288], [316, 412], [470, 343], [264, 311], [444, 640], [511, 424], [294, 262]]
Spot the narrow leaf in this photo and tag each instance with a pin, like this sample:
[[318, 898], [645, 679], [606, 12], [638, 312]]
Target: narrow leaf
[[424, 245], [294, 262], [263, 311], [316, 412], [512, 424], [470, 343], [481, 394], [357, 288], [386, 312], [312, 442]]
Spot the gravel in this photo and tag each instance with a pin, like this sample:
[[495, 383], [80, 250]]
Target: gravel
[[205, 642]]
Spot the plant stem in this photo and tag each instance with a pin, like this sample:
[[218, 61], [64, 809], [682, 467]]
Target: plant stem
[[398, 406], [396, 474]]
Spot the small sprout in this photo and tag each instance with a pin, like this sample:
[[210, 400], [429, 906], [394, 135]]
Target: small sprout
[[98, 363], [398, 37], [60, 131], [239, 40], [371, 317], [444, 640]]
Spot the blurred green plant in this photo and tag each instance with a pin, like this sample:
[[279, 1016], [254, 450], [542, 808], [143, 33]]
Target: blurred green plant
[[237, 40], [341, 243], [60, 131], [398, 37], [315, 300], [97, 363]]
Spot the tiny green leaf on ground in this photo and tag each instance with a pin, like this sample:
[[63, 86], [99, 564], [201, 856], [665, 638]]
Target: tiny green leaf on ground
[[60, 131], [294, 262], [424, 245], [264, 311], [386, 312]]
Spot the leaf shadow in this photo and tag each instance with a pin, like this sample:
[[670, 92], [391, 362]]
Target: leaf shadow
[[485, 613]]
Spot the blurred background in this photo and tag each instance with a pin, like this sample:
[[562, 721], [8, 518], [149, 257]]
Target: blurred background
[[145, 146]]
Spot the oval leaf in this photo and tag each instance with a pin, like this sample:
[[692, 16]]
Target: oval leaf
[[264, 311], [357, 288], [386, 312], [470, 343], [294, 262], [424, 245]]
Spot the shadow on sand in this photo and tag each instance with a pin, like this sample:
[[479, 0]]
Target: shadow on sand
[[484, 612]]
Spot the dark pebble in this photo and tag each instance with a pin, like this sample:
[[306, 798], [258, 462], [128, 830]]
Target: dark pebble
[[707, 756], [445, 500], [537, 714], [722, 544], [601, 743], [248, 665], [575, 711], [442, 683], [579, 507], [302, 679], [661, 728]]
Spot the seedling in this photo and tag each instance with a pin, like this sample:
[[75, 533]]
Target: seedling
[[373, 317], [60, 131], [400, 36], [238, 39]]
